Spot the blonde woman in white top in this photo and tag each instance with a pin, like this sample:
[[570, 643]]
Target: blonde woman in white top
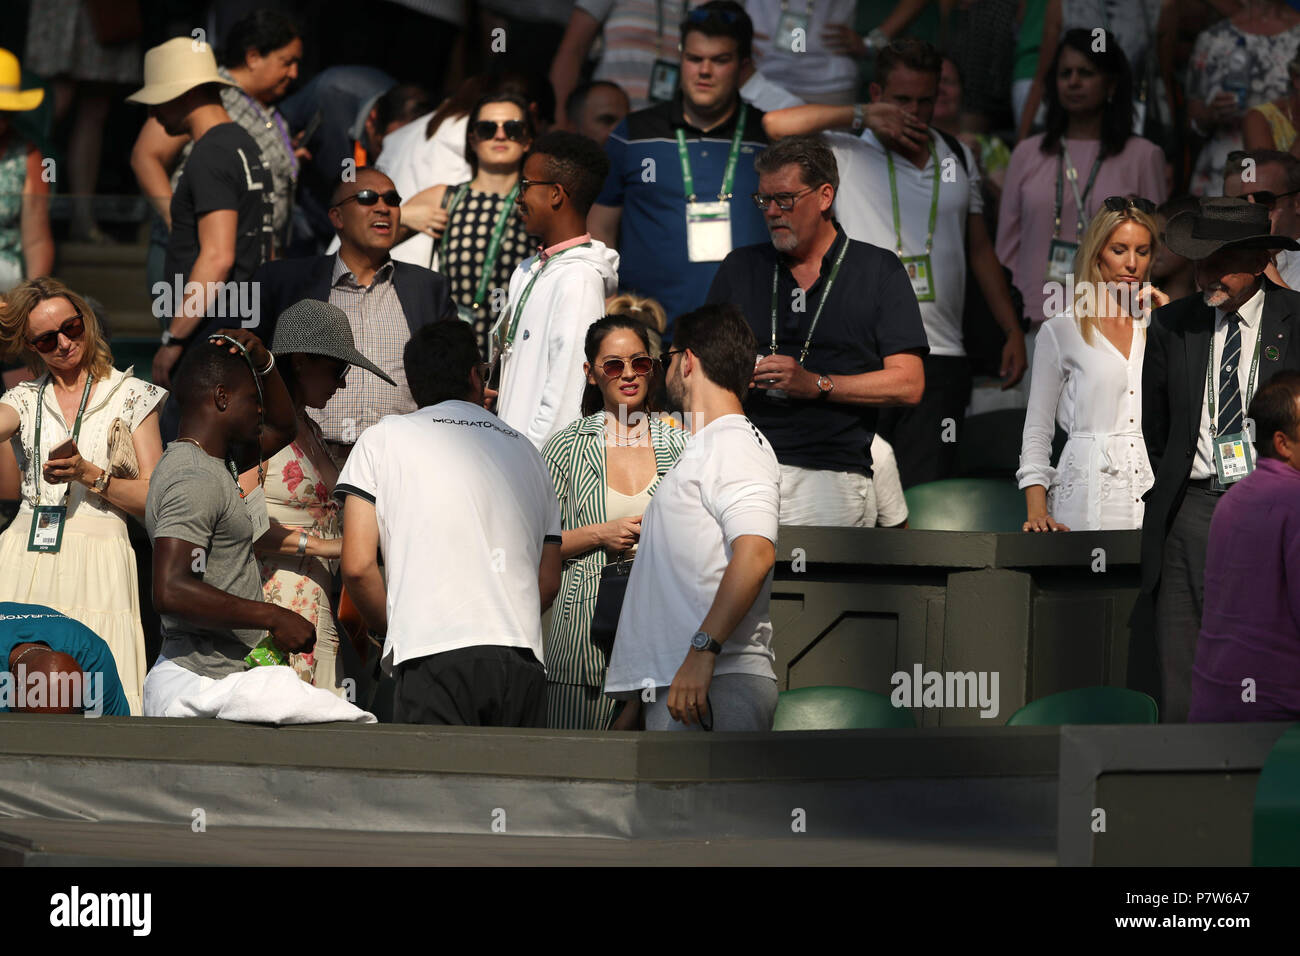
[[1088, 377]]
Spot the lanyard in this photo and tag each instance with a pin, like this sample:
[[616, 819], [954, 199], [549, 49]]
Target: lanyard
[[76, 431], [1079, 201], [494, 243], [659, 18], [729, 176], [1250, 383], [274, 117], [934, 200], [523, 299], [826, 293]]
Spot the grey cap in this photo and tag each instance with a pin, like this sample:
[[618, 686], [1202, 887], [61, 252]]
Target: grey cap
[[313, 327]]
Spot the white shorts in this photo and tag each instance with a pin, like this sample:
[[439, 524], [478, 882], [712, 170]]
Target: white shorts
[[166, 681], [842, 499]]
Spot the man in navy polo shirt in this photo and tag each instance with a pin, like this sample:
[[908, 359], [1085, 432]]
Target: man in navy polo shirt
[[841, 337], [681, 172]]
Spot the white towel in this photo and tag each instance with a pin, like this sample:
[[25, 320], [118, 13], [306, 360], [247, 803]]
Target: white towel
[[267, 695]]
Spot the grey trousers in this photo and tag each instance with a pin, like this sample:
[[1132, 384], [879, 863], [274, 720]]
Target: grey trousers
[[737, 702], [1179, 600]]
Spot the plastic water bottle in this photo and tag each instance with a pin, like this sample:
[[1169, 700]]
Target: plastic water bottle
[[1237, 80]]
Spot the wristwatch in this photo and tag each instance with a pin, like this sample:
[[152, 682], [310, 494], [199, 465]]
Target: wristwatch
[[875, 41], [169, 339], [100, 484], [825, 385], [702, 642]]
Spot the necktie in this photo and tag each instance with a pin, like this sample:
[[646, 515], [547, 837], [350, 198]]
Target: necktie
[[1230, 415]]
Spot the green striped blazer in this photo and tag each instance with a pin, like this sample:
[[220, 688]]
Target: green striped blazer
[[576, 459]]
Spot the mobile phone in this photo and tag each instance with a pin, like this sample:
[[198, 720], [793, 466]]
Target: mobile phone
[[65, 450]]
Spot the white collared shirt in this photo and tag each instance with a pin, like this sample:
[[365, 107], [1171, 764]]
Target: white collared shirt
[[1252, 317]]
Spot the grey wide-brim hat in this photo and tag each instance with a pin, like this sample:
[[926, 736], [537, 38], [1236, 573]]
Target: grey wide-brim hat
[[1220, 223], [313, 327]]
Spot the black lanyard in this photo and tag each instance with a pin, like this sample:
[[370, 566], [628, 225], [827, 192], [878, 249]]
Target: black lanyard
[[1080, 202], [821, 301]]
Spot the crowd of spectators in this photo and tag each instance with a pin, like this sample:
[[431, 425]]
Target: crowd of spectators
[[494, 312]]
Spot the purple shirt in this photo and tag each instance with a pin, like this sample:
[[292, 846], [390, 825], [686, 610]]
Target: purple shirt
[[1250, 627]]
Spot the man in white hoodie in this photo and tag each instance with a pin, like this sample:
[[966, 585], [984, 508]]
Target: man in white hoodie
[[556, 294]]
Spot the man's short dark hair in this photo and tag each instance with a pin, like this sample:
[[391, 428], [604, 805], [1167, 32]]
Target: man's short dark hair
[[204, 368], [577, 100], [814, 158], [722, 18], [403, 103], [261, 30], [724, 343], [576, 162], [1273, 409], [438, 360], [909, 52], [344, 189], [1289, 163]]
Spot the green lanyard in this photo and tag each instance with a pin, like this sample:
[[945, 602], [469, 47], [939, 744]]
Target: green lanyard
[[1080, 201], [826, 294], [934, 200], [494, 243], [518, 311], [76, 431], [1250, 382], [729, 176]]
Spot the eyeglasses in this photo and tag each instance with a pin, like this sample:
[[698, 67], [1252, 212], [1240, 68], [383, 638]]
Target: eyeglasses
[[368, 197], [1122, 203], [74, 328], [666, 358], [641, 365], [342, 372], [784, 201], [1263, 197], [516, 130], [526, 183]]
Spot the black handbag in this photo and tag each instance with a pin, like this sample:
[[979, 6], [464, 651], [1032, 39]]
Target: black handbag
[[609, 603]]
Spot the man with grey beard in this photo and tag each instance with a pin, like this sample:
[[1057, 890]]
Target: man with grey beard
[[840, 334], [1206, 356]]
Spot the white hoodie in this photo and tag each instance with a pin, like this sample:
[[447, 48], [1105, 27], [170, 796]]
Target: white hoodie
[[541, 378]]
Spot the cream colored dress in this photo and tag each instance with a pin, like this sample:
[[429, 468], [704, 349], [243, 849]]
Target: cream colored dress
[[92, 577]]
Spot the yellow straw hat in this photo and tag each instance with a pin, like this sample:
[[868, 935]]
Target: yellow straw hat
[[14, 99], [174, 68]]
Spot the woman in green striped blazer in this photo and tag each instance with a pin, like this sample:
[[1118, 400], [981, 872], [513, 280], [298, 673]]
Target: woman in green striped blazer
[[605, 466]]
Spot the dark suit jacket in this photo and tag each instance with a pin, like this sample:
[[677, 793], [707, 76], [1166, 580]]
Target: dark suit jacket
[[425, 295], [1173, 393]]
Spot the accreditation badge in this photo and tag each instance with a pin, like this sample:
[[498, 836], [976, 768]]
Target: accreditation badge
[[921, 276], [663, 80], [786, 36], [466, 314], [708, 231], [1234, 458], [255, 502], [1060, 260], [47, 528]]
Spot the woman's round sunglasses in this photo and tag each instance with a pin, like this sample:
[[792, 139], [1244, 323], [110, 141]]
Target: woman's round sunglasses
[[516, 130], [641, 365], [74, 328]]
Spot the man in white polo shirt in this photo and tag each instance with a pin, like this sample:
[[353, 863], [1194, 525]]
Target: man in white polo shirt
[[695, 627], [469, 524], [913, 189]]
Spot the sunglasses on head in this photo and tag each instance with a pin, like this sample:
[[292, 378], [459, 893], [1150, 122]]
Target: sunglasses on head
[[74, 328], [701, 15], [1122, 203], [368, 197], [516, 130], [1263, 197], [641, 365]]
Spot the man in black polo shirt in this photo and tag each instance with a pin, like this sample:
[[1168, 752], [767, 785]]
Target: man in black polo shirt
[[842, 337], [681, 172]]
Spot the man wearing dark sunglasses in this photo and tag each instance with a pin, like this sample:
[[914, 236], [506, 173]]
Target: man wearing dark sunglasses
[[1270, 178], [386, 302]]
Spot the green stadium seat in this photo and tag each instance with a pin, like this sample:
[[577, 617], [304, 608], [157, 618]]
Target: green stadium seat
[[966, 504], [1276, 839], [838, 708], [1087, 705]]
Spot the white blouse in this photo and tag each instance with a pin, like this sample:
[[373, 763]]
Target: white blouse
[[1095, 393]]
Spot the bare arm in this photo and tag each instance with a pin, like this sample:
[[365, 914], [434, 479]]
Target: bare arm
[[153, 157], [993, 283], [1255, 131], [579, 35], [888, 121], [360, 565], [9, 422], [129, 494], [1046, 52], [548, 573], [900, 382], [281, 539], [602, 223], [902, 16], [38, 243]]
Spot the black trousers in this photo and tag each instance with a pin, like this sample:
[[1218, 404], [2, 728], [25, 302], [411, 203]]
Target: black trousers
[[925, 448], [484, 686], [1180, 599]]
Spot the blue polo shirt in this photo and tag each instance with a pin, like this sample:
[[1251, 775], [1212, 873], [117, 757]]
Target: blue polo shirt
[[653, 260], [34, 623]]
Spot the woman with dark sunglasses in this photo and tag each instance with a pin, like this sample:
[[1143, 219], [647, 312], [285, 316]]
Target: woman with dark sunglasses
[[68, 547], [606, 466], [478, 239]]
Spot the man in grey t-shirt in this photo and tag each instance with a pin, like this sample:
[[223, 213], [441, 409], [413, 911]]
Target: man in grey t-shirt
[[206, 584]]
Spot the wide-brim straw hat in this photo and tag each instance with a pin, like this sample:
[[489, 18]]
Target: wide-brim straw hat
[[1221, 223], [313, 327], [13, 98], [174, 68]]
